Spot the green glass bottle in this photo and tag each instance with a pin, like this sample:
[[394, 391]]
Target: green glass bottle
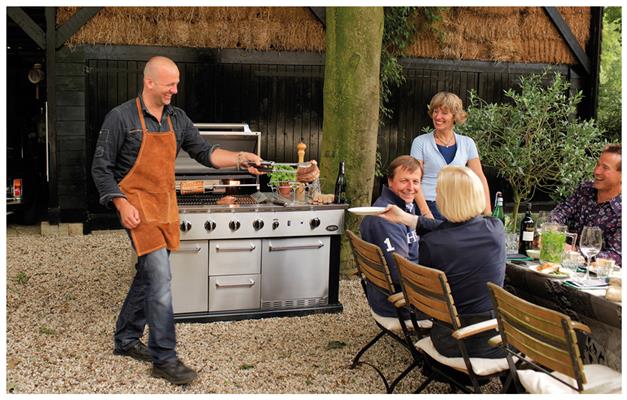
[[498, 208]]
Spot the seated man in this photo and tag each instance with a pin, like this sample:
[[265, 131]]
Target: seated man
[[598, 203], [404, 175]]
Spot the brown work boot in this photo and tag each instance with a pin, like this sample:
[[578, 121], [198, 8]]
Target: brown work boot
[[175, 372]]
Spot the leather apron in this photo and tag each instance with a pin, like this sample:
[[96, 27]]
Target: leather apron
[[149, 186]]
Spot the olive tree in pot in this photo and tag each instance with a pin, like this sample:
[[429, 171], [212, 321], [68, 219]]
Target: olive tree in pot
[[535, 141]]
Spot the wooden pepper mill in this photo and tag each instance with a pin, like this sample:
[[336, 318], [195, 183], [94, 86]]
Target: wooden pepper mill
[[300, 188]]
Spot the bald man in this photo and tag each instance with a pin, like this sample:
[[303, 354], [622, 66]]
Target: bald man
[[140, 186]]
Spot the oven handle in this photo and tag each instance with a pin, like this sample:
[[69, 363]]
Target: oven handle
[[301, 247], [251, 248], [189, 250], [248, 284]]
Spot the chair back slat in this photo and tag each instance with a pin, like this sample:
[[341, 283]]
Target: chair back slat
[[544, 335], [370, 262], [427, 290]]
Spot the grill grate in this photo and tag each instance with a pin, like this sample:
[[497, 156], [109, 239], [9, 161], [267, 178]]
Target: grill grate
[[209, 199]]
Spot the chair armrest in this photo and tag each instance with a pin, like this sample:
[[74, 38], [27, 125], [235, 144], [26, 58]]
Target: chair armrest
[[582, 327], [397, 299], [495, 341], [474, 329]]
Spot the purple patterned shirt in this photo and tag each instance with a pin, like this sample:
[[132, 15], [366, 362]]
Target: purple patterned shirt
[[581, 209]]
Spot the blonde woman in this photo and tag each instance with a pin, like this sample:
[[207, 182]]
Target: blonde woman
[[443, 147], [469, 248]]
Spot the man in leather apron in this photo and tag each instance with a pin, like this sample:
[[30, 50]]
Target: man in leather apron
[[133, 170]]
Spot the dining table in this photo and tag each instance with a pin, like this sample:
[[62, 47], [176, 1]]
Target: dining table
[[590, 307]]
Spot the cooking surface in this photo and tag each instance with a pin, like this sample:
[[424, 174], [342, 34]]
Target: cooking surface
[[211, 199]]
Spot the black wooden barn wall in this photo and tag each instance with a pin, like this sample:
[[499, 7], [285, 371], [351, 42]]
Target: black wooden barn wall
[[278, 94]]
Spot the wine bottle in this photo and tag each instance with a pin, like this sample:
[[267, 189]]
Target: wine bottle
[[498, 208], [527, 231], [340, 186]]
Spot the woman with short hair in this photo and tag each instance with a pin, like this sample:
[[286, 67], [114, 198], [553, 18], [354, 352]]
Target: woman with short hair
[[442, 147], [469, 248]]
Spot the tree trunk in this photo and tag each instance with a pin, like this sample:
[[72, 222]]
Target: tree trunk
[[351, 105]]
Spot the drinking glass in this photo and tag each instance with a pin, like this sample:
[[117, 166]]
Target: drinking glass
[[573, 263], [603, 268], [590, 244]]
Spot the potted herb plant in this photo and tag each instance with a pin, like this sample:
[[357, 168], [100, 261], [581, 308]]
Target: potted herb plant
[[280, 178]]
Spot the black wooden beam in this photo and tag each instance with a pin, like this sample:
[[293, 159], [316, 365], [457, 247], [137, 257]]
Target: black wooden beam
[[51, 51], [567, 34], [321, 14], [27, 24], [76, 22]]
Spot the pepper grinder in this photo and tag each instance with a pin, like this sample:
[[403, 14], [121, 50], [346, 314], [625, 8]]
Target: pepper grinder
[[300, 187]]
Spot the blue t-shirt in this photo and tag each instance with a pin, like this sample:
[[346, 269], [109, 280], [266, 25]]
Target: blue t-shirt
[[448, 152], [425, 149]]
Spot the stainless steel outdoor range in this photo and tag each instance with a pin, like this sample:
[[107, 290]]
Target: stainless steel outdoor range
[[262, 256]]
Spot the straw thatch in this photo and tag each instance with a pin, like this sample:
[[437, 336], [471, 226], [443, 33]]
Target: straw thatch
[[254, 28], [515, 34]]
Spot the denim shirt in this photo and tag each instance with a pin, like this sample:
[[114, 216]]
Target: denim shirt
[[120, 139]]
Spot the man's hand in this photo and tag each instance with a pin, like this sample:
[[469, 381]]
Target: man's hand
[[308, 174], [129, 216], [246, 161]]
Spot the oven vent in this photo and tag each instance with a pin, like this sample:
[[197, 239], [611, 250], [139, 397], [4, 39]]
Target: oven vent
[[294, 303]]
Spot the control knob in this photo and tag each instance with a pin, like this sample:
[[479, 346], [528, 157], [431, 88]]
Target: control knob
[[234, 225], [257, 224], [186, 226], [314, 223], [275, 224], [210, 225]]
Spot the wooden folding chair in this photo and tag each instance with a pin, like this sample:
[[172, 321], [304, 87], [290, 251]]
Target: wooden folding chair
[[374, 271], [545, 341], [427, 290]]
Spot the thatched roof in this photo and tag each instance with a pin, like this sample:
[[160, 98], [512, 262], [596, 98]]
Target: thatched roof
[[255, 28], [516, 34]]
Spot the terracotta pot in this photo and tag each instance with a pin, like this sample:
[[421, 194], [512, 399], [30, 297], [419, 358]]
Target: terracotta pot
[[285, 190]]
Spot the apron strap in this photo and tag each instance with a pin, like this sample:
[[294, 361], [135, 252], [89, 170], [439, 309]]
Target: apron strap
[[170, 122], [141, 114]]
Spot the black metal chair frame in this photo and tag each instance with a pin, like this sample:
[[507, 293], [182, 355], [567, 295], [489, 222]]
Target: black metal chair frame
[[570, 344], [437, 371], [407, 340]]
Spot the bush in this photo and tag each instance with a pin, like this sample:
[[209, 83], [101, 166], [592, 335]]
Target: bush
[[535, 142], [609, 111]]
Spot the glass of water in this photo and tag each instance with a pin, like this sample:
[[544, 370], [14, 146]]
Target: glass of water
[[574, 263]]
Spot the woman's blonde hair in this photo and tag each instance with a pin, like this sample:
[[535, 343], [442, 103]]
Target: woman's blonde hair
[[448, 101], [459, 193]]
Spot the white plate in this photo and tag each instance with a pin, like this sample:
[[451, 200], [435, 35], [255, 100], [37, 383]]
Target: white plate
[[367, 210]]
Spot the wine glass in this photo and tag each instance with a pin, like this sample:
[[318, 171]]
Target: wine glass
[[590, 244]]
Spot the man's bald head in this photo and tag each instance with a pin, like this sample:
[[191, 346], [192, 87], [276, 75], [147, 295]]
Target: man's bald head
[[157, 64], [161, 77]]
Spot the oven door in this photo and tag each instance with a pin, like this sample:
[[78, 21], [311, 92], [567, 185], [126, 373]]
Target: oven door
[[295, 272]]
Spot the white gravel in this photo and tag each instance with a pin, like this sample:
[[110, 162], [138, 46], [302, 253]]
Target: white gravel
[[63, 296]]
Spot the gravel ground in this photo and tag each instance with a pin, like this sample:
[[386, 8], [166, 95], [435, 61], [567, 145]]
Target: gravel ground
[[63, 296]]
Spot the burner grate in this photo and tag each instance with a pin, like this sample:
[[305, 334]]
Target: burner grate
[[208, 199]]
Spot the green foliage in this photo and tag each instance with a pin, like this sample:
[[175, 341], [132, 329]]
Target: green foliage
[[398, 32], [282, 173], [609, 110], [22, 278], [534, 141]]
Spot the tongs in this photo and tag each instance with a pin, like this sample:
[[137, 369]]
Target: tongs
[[271, 166]]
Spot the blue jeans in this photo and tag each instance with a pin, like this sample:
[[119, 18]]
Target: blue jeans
[[149, 300], [434, 210]]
